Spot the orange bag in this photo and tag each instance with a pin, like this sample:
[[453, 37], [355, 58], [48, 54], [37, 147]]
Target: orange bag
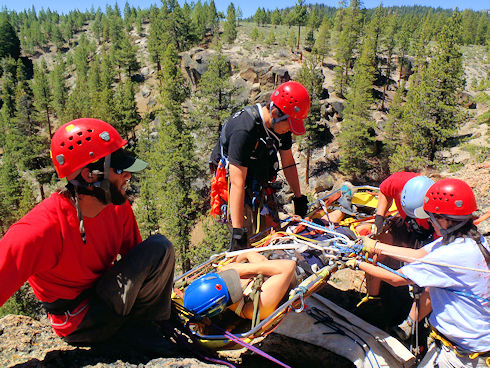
[[219, 191]]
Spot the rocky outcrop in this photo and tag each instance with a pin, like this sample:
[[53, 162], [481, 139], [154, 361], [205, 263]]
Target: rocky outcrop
[[25, 342]]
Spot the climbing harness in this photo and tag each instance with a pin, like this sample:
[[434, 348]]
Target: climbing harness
[[437, 336]]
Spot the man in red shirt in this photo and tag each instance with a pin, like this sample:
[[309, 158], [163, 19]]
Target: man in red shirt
[[81, 250]]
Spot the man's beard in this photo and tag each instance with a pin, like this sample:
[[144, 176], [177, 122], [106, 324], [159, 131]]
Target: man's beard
[[117, 197]]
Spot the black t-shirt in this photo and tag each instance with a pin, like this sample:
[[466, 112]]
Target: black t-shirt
[[245, 142]]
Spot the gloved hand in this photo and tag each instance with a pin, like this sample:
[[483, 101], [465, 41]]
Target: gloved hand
[[239, 240], [368, 244], [300, 205], [353, 263], [377, 228]]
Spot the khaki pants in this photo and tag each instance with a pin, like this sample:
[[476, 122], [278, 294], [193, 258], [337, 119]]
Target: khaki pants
[[138, 287]]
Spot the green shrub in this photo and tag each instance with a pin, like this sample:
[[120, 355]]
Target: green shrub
[[23, 302]]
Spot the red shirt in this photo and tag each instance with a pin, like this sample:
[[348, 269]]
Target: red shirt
[[392, 187], [45, 248]]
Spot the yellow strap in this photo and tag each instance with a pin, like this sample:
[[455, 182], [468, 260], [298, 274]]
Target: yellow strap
[[435, 335], [257, 228], [367, 298]]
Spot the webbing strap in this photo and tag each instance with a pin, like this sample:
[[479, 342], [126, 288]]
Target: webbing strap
[[255, 296]]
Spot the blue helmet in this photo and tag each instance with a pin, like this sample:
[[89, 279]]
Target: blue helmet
[[209, 295], [413, 194]]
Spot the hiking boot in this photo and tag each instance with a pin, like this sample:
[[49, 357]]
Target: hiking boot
[[404, 330]]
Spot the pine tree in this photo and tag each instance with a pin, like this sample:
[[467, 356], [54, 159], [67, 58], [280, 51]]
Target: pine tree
[[357, 132], [431, 114], [58, 87], [271, 38], [9, 42], [147, 208], [42, 94], [322, 43], [276, 17], [214, 100], [393, 128], [213, 20], [310, 40], [230, 31], [173, 162], [347, 43], [300, 18], [10, 191], [127, 116], [312, 78], [124, 52], [389, 46]]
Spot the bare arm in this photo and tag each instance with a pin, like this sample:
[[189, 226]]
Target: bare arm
[[400, 253], [238, 175], [385, 275], [290, 172], [384, 203], [280, 273]]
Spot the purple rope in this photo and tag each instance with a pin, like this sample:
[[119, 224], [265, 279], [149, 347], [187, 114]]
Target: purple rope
[[254, 349]]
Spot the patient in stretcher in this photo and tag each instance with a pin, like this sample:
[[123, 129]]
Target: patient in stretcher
[[231, 287]]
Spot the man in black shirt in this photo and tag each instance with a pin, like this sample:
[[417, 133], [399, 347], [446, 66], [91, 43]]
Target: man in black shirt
[[250, 140]]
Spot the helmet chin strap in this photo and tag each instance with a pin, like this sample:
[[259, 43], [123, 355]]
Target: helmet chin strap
[[446, 232], [104, 185], [274, 121]]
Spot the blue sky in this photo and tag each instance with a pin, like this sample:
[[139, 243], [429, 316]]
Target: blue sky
[[248, 6]]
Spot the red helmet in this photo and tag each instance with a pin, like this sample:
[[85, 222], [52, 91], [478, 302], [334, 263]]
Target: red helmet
[[293, 99], [82, 141], [451, 197]]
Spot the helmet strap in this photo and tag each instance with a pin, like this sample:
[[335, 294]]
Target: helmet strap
[[274, 121], [80, 216], [105, 184], [450, 230]]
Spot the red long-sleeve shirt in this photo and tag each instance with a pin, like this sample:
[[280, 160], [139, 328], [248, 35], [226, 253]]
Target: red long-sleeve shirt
[[46, 249]]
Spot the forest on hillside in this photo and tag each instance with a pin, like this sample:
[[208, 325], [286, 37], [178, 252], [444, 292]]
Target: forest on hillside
[[95, 68]]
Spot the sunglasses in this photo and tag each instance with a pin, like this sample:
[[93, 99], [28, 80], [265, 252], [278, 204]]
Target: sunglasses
[[438, 217]]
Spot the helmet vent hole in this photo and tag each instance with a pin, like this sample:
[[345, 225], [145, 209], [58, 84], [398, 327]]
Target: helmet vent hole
[[90, 130], [70, 148], [88, 139], [70, 138], [79, 133], [62, 144], [79, 143]]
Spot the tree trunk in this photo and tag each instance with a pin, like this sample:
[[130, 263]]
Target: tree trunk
[[388, 76], [401, 66], [49, 123], [41, 189], [299, 35], [307, 166]]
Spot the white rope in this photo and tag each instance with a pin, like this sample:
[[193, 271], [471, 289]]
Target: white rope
[[421, 260]]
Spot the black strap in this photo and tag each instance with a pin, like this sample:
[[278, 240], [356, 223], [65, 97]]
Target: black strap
[[252, 111], [60, 306]]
